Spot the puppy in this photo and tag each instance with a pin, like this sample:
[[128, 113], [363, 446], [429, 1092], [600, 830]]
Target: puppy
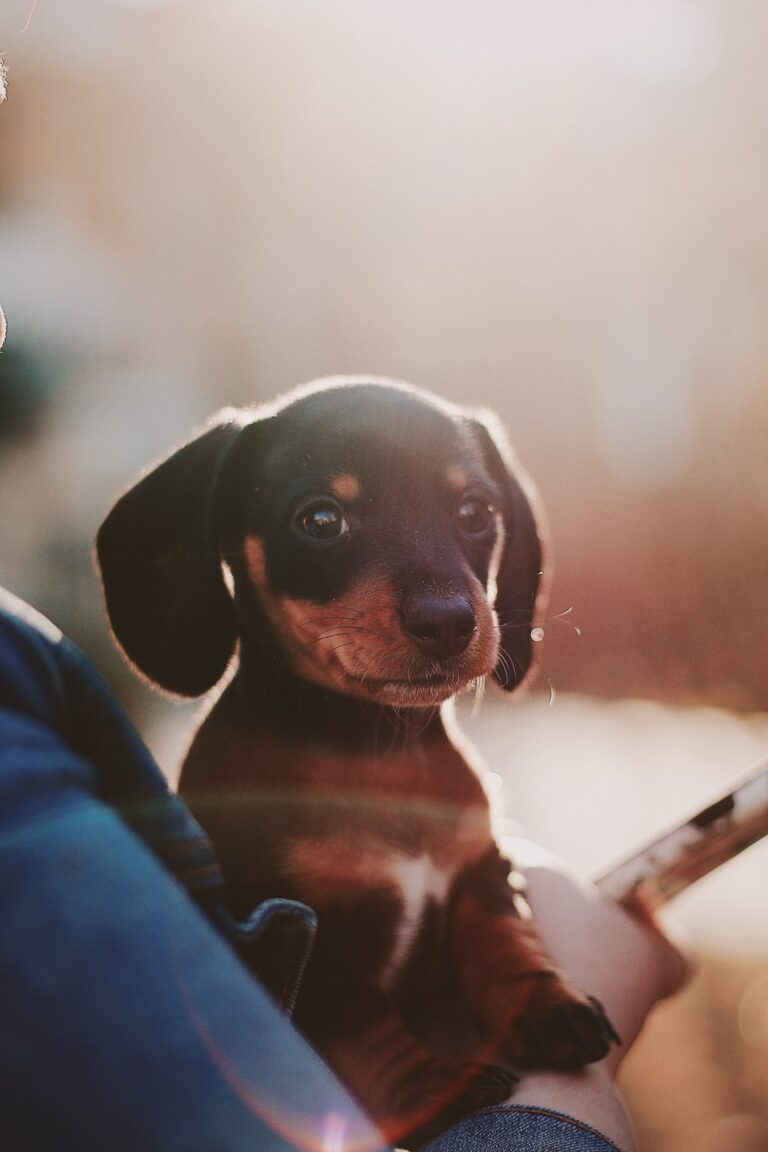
[[372, 551]]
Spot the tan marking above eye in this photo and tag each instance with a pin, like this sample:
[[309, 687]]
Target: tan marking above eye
[[346, 486], [458, 478]]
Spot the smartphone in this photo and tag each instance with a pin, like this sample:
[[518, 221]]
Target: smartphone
[[719, 832]]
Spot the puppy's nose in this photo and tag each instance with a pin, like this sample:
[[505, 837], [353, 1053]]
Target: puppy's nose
[[442, 626]]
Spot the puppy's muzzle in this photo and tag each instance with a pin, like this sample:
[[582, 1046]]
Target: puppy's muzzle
[[440, 626]]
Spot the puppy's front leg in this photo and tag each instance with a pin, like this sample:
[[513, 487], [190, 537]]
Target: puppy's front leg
[[411, 1095], [529, 1011]]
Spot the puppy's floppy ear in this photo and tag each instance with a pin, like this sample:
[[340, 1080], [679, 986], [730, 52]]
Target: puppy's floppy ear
[[519, 578], [158, 552]]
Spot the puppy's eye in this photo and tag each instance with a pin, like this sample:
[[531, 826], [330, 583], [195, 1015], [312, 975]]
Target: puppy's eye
[[475, 516], [322, 521]]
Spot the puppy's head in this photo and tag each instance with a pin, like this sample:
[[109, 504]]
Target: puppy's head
[[371, 538]]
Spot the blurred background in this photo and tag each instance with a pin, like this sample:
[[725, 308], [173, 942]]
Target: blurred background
[[557, 210]]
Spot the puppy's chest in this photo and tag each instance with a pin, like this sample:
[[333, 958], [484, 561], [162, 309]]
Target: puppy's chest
[[349, 868], [354, 871], [394, 847], [421, 883], [390, 831]]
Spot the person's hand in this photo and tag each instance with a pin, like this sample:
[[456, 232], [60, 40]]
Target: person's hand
[[625, 960]]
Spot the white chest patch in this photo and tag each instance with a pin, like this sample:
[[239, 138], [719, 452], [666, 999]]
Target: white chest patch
[[419, 880]]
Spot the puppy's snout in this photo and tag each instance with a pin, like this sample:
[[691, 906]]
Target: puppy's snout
[[442, 626]]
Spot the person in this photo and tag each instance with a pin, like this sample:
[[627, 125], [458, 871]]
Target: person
[[128, 1018]]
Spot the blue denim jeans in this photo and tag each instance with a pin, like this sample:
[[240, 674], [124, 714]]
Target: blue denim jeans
[[127, 1020], [509, 1129]]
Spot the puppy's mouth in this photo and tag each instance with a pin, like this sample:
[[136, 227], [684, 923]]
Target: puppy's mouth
[[411, 682], [413, 690]]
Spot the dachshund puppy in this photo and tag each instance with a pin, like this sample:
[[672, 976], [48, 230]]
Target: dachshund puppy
[[372, 551]]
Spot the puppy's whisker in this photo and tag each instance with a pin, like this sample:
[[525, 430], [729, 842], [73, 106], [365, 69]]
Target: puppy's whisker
[[326, 626], [338, 620], [478, 696], [296, 649], [340, 614], [503, 661], [336, 647]]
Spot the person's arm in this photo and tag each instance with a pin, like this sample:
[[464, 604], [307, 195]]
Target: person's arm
[[625, 960], [127, 1022], [629, 965]]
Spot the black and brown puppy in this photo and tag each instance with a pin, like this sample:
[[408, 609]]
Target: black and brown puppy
[[373, 551]]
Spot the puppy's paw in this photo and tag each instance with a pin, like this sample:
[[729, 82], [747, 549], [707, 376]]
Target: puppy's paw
[[561, 1029], [487, 1084], [477, 1086]]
